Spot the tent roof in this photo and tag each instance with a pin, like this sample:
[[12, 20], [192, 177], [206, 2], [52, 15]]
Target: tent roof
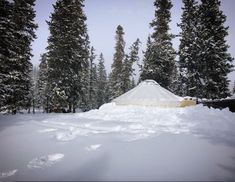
[[148, 93]]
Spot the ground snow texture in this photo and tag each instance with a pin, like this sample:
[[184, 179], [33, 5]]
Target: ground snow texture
[[119, 143], [7, 174], [45, 161], [135, 122]]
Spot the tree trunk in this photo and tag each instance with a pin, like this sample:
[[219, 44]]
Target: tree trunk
[[33, 106], [70, 107], [74, 109]]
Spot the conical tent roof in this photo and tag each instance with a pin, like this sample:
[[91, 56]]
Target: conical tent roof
[[149, 93]]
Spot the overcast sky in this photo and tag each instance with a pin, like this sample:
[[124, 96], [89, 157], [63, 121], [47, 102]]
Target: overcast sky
[[134, 15]]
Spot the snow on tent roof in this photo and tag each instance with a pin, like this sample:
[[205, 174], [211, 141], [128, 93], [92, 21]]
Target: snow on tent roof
[[149, 93]]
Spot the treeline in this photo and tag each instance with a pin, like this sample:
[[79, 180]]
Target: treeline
[[204, 62], [94, 88], [72, 76]]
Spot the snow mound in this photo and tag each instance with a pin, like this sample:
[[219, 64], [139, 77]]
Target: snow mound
[[93, 147], [45, 161], [8, 174]]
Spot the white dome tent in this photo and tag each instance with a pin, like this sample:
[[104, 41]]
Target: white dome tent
[[150, 93]]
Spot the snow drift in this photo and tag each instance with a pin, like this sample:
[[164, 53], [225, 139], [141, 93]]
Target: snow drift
[[138, 122]]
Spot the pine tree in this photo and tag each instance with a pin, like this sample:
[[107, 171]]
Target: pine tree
[[134, 54], [161, 61], [115, 80], [94, 94], [92, 81], [147, 69], [128, 71], [33, 90], [6, 50], [68, 54], [83, 72], [175, 85], [214, 61], [188, 77], [42, 95], [81, 55], [102, 88], [58, 53], [17, 78], [108, 90], [23, 18]]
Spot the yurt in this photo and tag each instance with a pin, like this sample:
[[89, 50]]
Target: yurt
[[150, 93]]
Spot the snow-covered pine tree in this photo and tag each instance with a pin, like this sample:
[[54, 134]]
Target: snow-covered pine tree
[[33, 89], [92, 81], [6, 50], [23, 18], [42, 96], [115, 80], [22, 32], [188, 72], [134, 53], [58, 51], [82, 86], [161, 61], [128, 71], [102, 90], [68, 53], [108, 89], [94, 95], [175, 85], [214, 60], [146, 70], [92, 57]]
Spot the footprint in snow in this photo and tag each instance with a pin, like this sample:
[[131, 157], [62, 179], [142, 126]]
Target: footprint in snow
[[93, 147], [8, 174], [45, 161]]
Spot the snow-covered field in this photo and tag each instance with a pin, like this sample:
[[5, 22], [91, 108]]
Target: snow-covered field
[[119, 143]]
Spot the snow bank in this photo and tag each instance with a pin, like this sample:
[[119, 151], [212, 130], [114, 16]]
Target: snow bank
[[138, 122], [165, 146], [45, 161]]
